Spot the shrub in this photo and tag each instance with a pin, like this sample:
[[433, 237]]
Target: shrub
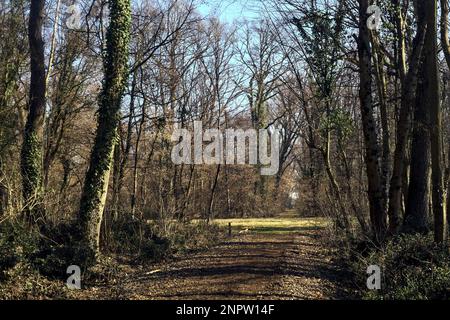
[[156, 241], [24, 282], [16, 245], [136, 238], [48, 250], [155, 249], [58, 248], [413, 268]]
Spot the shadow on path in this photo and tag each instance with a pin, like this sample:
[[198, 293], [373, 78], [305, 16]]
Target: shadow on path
[[255, 266]]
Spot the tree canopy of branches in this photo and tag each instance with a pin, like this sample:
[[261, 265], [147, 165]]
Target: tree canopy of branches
[[87, 114]]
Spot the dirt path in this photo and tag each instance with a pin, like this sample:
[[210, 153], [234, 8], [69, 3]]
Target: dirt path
[[253, 266]]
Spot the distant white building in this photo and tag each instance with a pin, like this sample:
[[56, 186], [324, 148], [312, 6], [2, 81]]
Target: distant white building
[[293, 197]]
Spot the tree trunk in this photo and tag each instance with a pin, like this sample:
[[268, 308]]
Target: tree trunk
[[115, 79], [342, 217], [351, 194], [403, 132], [212, 195], [417, 206], [136, 161], [31, 153], [121, 154], [372, 152], [445, 42], [437, 163], [401, 43], [386, 163]]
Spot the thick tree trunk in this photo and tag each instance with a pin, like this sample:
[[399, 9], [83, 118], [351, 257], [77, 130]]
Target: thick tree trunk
[[372, 152], [31, 153], [417, 206], [403, 132], [116, 74]]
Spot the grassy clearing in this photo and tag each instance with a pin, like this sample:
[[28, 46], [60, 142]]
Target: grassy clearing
[[278, 225]]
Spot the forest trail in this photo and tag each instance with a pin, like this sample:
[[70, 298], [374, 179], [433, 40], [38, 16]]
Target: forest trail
[[276, 259]]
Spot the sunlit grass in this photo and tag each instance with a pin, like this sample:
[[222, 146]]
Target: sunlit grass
[[277, 225]]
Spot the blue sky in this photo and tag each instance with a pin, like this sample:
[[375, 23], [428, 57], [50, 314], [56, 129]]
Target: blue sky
[[230, 10]]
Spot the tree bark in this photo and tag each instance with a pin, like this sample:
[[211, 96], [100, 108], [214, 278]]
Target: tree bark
[[445, 42], [372, 149], [401, 43], [386, 162], [417, 206], [212, 195], [31, 153], [403, 132], [115, 79], [121, 154], [437, 163]]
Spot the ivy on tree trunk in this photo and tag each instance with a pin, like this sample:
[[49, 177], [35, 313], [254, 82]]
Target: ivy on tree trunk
[[31, 153], [115, 79]]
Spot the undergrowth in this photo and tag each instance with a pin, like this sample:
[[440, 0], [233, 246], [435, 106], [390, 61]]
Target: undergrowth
[[412, 267], [33, 262]]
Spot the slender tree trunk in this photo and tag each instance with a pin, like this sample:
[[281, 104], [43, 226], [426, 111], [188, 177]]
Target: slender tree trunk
[[351, 194], [213, 193], [187, 194], [117, 160], [343, 216], [448, 198], [372, 152], [445, 42], [121, 156], [31, 153], [401, 43], [386, 162], [135, 177], [437, 163], [136, 161], [115, 79]]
